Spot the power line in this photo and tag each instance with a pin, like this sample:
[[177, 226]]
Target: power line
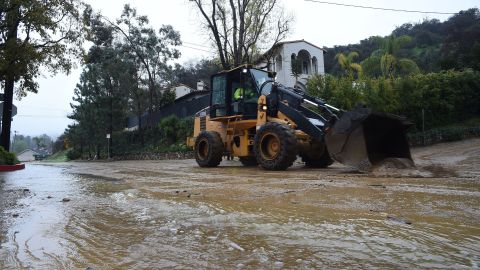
[[40, 116], [196, 44], [193, 48], [380, 8], [44, 108]]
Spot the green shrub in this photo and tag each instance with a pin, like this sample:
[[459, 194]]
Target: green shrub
[[452, 134], [73, 154], [168, 136], [7, 158], [445, 134], [474, 131], [446, 97], [174, 129]]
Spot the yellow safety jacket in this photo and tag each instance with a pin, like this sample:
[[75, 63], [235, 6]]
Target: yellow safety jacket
[[246, 93]]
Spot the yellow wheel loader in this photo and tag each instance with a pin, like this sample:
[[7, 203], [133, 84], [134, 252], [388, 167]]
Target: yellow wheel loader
[[265, 123]]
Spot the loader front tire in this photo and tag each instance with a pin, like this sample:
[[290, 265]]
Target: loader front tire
[[275, 146], [208, 149]]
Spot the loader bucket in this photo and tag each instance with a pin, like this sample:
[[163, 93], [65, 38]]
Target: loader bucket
[[362, 138]]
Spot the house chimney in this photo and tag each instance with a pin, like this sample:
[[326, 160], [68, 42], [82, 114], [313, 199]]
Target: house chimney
[[200, 85]]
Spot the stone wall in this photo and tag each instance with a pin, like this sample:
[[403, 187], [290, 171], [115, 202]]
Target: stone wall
[[155, 156]]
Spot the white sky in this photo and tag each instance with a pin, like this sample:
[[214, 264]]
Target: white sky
[[321, 24]]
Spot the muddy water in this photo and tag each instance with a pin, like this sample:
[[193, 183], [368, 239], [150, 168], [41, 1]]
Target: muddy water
[[171, 214]]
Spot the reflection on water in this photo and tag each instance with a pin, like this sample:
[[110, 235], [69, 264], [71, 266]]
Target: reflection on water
[[125, 224]]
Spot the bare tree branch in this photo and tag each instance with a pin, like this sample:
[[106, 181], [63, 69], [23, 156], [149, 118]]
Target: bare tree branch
[[241, 28]]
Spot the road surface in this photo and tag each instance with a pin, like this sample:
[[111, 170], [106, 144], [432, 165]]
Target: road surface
[[173, 214]]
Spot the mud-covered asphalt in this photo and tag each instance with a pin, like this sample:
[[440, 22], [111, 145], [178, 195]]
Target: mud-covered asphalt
[[173, 214]]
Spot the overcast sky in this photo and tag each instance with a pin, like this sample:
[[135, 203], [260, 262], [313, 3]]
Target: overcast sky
[[321, 24]]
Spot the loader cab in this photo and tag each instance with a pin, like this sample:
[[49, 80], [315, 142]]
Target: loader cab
[[236, 92]]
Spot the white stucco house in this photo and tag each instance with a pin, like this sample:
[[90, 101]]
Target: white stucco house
[[279, 59], [182, 89]]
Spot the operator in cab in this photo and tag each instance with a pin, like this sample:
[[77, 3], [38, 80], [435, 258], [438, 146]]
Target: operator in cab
[[245, 92]]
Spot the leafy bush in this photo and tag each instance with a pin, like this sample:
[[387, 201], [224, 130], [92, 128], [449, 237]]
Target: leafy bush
[[73, 154], [446, 97], [60, 156], [174, 129], [7, 158], [168, 136], [445, 134]]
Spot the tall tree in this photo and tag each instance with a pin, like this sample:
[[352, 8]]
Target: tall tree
[[152, 51], [461, 48], [101, 97], [189, 74], [387, 60], [241, 28], [390, 63], [35, 34], [125, 67]]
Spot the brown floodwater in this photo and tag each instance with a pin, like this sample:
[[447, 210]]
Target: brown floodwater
[[174, 215]]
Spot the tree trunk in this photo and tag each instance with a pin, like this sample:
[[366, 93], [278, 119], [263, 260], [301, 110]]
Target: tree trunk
[[7, 113], [81, 149], [150, 107], [110, 126], [139, 115], [12, 24], [97, 150]]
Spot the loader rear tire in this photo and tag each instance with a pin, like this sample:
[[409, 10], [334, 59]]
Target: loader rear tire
[[208, 149], [275, 146], [248, 161]]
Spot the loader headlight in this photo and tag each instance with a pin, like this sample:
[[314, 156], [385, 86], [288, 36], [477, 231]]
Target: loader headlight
[[264, 107]]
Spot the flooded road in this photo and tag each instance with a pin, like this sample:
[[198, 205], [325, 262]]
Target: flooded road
[[173, 214]]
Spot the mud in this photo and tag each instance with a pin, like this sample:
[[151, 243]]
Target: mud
[[173, 214], [8, 200]]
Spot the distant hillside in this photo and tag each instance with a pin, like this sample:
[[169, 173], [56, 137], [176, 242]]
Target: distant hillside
[[453, 44]]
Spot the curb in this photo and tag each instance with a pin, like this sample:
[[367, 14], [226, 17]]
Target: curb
[[9, 168]]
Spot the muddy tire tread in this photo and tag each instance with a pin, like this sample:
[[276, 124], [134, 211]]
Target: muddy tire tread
[[288, 150], [215, 151]]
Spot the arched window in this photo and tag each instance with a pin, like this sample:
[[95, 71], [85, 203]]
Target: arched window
[[315, 65], [304, 57], [278, 63]]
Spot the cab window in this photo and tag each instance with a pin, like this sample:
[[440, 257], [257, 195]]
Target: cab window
[[219, 85]]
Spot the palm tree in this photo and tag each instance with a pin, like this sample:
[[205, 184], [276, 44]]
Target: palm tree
[[296, 69], [346, 62], [389, 63]]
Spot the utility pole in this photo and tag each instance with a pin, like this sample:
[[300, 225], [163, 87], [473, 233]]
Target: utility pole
[[14, 139]]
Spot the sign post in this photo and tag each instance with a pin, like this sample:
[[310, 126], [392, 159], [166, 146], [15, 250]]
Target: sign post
[[14, 109], [108, 145]]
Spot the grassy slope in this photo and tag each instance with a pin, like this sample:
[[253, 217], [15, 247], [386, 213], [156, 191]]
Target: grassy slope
[[58, 157]]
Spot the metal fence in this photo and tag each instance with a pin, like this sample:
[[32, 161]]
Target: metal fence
[[181, 109]]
